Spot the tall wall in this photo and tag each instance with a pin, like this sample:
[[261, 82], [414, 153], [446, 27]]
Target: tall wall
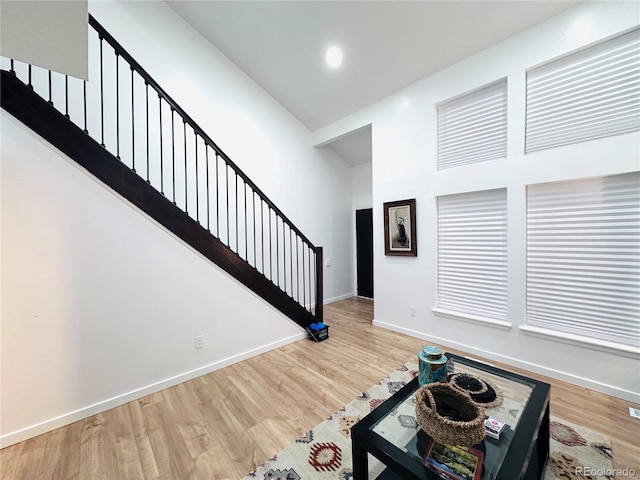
[[99, 304], [404, 129]]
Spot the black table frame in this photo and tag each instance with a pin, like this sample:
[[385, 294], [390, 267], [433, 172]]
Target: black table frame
[[526, 457]]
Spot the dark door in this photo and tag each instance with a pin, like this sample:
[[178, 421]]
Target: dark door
[[364, 251]]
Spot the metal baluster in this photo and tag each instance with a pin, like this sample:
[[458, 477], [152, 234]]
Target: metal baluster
[[195, 136], [101, 96], [133, 128], [66, 96], [284, 257], [206, 159], [236, 207], [50, 100], [217, 201], [298, 268], [84, 91], [291, 256], [262, 233], [146, 95], [246, 239], [226, 174], [117, 105], [310, 289], [304, 282], [30, 84], [13, 71], [277, 251], [253, 209], [161, 146], [173, 155], [270, 253], [184, 137]]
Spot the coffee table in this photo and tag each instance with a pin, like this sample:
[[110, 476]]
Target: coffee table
[[521, 452]]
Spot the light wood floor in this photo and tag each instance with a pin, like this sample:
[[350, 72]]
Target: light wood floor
[[221, 425]]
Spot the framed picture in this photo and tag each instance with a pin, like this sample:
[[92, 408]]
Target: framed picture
[[400, 228]]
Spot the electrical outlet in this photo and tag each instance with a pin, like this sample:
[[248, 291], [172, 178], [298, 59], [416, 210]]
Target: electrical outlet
[[634, 412], [200, 341], [412, 311]]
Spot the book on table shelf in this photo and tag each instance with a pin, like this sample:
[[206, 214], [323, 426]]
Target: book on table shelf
[[454, 462]]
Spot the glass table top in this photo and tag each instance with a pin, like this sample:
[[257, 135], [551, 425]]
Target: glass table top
[[400, 427]]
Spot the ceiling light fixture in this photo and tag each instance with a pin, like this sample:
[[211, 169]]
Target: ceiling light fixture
[[333, 57]]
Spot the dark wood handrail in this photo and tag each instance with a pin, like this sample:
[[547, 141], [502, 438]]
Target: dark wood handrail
[[119, 50]]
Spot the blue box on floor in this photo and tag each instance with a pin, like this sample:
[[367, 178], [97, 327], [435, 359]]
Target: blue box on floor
[[319, 335]]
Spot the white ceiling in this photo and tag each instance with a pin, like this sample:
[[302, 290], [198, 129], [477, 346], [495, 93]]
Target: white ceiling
[[387, 45]]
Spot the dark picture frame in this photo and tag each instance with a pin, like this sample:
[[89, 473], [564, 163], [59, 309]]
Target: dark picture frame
[[400, 235]]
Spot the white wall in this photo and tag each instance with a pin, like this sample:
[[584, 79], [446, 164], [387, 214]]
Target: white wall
[[50, 34], [404, 129], [100, 305]]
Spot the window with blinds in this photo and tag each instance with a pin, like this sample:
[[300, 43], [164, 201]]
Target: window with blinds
[[473, 128], [472, 253], [583, 257], [589, 94]]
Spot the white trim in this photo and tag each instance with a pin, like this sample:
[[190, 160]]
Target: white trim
[[99, 407], [470, 318], [338, 298], [531, 367], [577, 340]]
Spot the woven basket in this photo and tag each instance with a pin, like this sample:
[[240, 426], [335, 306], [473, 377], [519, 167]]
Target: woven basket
[[433, 399], [486, 397]]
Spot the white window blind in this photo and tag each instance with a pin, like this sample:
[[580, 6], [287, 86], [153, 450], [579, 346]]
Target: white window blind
[[472, 253], [589, 94], [473, 128], [583, 257]]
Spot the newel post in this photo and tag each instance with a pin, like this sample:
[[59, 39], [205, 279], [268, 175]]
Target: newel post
[[319, 283]]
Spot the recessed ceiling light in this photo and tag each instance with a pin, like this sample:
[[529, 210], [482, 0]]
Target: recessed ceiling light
[[333, 57]]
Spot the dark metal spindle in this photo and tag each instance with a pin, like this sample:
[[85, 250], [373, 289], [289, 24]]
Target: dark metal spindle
[[304, 282], [117, 105], [246, 238], [30, 84], [226, 174], [291, 257], [235, 201], [13, 71], [217, 201], [133, 128], [184, 137], [277, 251], [195, 135], [284, 257], [101, 96], [173, 155], [310, 289], [262, 235], [253, 209], [270, 254], [298, 267], [161, 146], [146, 94], [84, 91], [66, 96], [206, 159], [50, 99]]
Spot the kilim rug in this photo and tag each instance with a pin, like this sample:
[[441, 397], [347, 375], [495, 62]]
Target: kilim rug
[[324, 453]]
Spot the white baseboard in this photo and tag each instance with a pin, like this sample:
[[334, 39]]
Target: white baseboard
[[532, 367], [338, 298], [104, 405]]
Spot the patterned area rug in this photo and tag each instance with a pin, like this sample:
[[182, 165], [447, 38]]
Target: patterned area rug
[[325, 451]]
